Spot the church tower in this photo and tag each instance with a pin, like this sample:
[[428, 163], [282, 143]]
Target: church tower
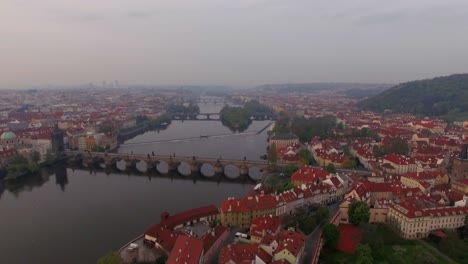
[[57, 141]]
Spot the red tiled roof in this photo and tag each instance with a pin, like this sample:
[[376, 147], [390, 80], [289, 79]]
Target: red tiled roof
[[249, 203], [238, 253], [412, 209], [187, 250], [210, 237], [309, 174], [264, 225], [463, 181], [398, 159]]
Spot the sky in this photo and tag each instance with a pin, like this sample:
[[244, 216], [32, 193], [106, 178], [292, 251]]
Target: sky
[[229, 42]]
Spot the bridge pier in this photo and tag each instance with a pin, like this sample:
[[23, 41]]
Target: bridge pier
[[244, 170]]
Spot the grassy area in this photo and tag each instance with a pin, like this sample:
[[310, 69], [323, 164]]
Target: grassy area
[[387, 247], [452, 246]]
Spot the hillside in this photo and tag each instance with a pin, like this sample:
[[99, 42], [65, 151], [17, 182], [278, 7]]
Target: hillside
[[320, 87], [442, 96]]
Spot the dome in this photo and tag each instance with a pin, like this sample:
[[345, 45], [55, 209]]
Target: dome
[[7, 135]]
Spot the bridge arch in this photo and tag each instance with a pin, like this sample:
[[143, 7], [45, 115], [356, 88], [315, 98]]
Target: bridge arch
[[184, 168], [207, 170], [232, 171], [255, 173]]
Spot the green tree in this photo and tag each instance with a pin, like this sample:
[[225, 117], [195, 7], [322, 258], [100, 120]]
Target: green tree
[[306, 156], [35, 156], [307, 225], [141, 119], [289, 169], [331, 168], [323, 213], [214, 223], [349, 163], [111, 258], [331, 235], [98, 149], [272, 154], [396, 145], [364, 254], [161, 260], [358, 213]]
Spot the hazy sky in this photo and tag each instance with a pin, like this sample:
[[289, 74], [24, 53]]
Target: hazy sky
[[231, 42]]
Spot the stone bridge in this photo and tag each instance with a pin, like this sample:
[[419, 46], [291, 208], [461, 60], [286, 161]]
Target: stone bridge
[[164, 164], [216, 116]]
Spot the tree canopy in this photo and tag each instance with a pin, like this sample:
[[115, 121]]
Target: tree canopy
[[331, 235], [358, 213], [331, 168], [364, 254], [442, 96]]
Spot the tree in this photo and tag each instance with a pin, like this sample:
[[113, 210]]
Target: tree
[[349, 163], [307, 225], [396, 145], [323, 213], [364, 254], [272, 155], [306, 156], [289, 169], [35, 156], [331, 168], [331, 235], [358, 213], [214, 223], [465, 229], [161, 260], [111, 258], [98, 149]]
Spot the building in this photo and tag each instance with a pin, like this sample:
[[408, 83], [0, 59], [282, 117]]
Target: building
[[460, 165], [308, 174], [414, 220], [187, 250], [283, 140], [262, 226], [460, 186], [238, 253], [57, 140], [286, 247], [212, 241], [163, 235], [241, 212], [398, 164]]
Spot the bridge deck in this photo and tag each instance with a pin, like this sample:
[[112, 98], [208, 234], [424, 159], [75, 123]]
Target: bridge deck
[[163, 157]]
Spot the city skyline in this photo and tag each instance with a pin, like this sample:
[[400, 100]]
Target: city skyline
[[241, 43]]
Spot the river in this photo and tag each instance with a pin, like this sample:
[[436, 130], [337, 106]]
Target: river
[[76, 215]]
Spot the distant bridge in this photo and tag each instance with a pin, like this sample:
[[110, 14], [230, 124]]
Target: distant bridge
[[216, 116], [211, 100], [207, 116], [144, 162]]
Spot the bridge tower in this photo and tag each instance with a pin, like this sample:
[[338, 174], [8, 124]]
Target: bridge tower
[[57, 141]]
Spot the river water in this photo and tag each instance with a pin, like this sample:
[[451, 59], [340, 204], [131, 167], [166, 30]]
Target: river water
[[75, 215]]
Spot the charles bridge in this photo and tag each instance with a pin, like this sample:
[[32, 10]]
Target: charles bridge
[[143, 162]]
